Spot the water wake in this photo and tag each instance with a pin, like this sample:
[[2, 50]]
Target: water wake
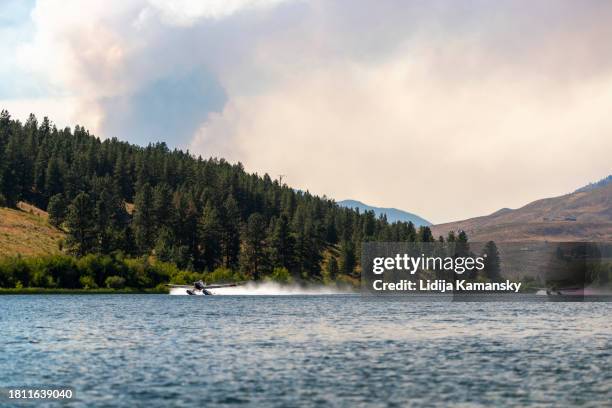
[[270, 289]]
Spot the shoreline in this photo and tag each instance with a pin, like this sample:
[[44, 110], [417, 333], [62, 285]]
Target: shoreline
[[59, 291], [150, 291]]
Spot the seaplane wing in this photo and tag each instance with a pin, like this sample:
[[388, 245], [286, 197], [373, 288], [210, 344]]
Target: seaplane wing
[[179, 286], [224, 285]]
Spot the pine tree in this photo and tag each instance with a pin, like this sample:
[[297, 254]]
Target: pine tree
[[331, 232], [348, 260], [231, 232], [410, 234], [164, 245], [462, 248], [103, 226], [143, 222], [57, 210], [186, 227], [5, 124], [281, 244], [210, 233], [54, 183], [40, 170], [114, 229], [80, 223], [122, 178], [332, 268], [111, 216], [163, 209], [253, 256], [425, 234], [492, 269], [311, 249], [11, 178], [369, 225]]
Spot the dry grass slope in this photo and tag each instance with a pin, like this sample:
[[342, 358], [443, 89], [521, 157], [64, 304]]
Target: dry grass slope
[[579, 216], [25, 231]]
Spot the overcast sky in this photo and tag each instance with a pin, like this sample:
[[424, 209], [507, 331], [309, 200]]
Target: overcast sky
[[449, 109]]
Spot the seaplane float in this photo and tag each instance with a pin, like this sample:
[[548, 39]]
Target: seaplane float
[[202, 288]]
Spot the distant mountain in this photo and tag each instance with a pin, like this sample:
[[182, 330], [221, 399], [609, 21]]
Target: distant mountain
[[584, 215], [393, 214], [601, 183]]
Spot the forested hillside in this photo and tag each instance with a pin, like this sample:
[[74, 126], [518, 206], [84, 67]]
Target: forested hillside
[[111, 197]]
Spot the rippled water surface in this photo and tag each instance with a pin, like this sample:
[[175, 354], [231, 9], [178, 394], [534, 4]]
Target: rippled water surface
[[157, 350]]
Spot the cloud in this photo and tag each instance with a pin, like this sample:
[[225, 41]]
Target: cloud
[[449, 109], [124, 58], [444, 152], [187, 12], [168, 108], [448, 123]]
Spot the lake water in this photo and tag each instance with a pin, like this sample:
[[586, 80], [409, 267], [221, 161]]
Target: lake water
[[278, 351]]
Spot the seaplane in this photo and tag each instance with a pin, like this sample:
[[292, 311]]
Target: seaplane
[[202, 288], [571, 292]]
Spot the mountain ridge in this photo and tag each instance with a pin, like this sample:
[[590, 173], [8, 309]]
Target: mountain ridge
[[601, 183], [393, 214], [584, 215]]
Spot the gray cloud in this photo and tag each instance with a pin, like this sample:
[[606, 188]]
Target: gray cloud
[[170, 108], [449, 109]]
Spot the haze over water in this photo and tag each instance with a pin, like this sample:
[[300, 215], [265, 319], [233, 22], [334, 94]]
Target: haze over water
[[158, 350]]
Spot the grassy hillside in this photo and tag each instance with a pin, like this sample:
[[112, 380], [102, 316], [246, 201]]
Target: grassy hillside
[[25, 231]]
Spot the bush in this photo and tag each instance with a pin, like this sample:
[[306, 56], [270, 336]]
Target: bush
[[186, 278], [161, 272], [88, 282], [14, 269], [280, 275], [115, 282], [224, 275], [345, 280], [98, 267], [62, 268], [42, 279], [2, 200], [147, 273], [5, 277], [161, 288], [113, 271]]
